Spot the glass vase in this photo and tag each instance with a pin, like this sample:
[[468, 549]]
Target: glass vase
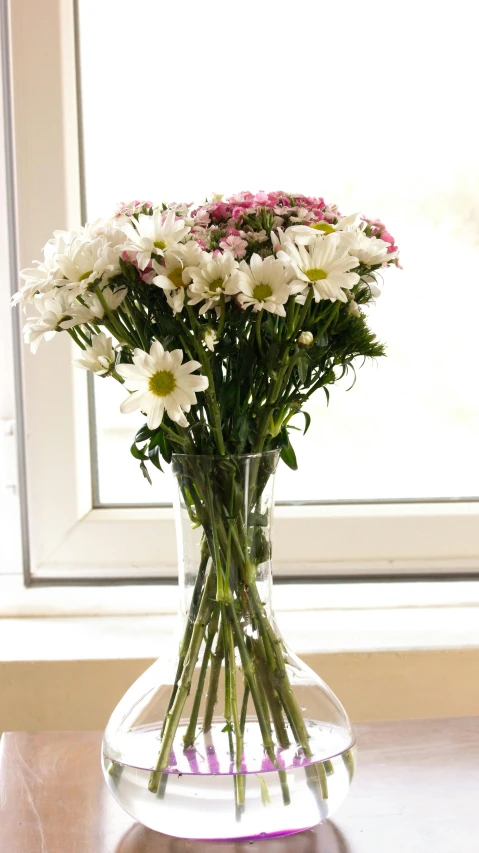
[[236, 738]]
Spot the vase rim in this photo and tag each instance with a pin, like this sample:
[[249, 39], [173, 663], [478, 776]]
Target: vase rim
[[217, 456]]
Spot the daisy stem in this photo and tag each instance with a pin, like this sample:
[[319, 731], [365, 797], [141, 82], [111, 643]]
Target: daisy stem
[[271, 399], [116, 376], [210, 393], [190, 734], [117, 328], [212, 696], [173, 717], [302, 315], [82, 334], [290, 317], [73, 335], [222, 318], [240, 787], [259, 317], [244, 708], [131, 329]]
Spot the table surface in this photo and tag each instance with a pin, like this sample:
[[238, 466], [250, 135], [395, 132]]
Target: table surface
[[416, 789]]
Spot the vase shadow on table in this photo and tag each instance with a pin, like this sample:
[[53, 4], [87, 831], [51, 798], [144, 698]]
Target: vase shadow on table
[[324, 838]]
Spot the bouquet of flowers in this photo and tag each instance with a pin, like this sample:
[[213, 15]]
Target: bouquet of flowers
[[221, 320]]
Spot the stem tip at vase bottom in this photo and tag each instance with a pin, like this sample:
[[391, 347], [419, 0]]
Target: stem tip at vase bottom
[[236, 738]]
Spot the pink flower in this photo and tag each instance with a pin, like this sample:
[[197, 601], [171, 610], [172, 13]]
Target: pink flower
[[235, 245], [386, 236], [241, 198], [202, 217], [262, 198], [220, 211], [237, 212]]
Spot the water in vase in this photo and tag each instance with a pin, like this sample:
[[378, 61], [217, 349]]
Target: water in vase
[[202, 797]]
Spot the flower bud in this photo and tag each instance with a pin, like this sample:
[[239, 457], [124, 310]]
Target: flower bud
[[209, 337], [305, 340], [353, 308]]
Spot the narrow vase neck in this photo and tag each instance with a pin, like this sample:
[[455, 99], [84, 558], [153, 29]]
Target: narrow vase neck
[[224, 513]]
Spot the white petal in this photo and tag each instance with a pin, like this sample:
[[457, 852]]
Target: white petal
[[132, 403], [155, 411]]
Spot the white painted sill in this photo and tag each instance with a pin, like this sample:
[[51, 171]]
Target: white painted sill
[[308, 631]]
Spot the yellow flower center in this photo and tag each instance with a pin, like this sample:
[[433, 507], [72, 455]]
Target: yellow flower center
[[217, 284], [323, 226], [159, 244], [85, 275], [261, 292], [175, 276], [315, 274], [162, 383]]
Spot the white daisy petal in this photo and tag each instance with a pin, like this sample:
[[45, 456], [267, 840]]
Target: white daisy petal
[[161, 382], [131, 404]]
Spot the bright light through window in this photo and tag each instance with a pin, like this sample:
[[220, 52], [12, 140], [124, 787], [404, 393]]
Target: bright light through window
[[370, 108]]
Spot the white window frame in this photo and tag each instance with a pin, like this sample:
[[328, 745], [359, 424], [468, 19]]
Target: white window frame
[[70, 540]]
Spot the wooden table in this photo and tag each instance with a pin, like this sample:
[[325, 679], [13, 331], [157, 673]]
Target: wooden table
[[416, 789]]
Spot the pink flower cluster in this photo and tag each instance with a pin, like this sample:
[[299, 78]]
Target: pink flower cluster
[[236, 223], [376, 228], [234, 209]]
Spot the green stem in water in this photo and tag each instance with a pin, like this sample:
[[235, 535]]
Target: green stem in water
[[185, 642], [215, 671], [244, 708], [190, 734], [349, 762], [173, 717], [249, 674], [271, 696]]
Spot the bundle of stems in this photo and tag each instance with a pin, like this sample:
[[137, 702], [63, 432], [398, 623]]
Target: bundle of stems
[[228, 623]]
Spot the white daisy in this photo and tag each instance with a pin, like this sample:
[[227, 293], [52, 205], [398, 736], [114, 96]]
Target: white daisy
[[83, 262], [41, 278], [100, 357], [325, 264], [160, 382], [265, 284], [152, 235], [306, 234], [216, 277], [174, 275], [368, 250], [113, 299], [58, 311]]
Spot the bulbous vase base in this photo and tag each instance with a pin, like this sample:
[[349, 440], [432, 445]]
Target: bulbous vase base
[[200, 797]]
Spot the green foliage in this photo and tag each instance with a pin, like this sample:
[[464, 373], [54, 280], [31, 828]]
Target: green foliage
[[259, 376]]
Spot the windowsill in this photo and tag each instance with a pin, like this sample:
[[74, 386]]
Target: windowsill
[[16, 601], [311, 632]]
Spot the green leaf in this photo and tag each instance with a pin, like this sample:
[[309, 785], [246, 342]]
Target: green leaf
[[260, 547], [143, 434], [287, 452], [153, 456], [145, 472], [137, 452], [302, 368], [307, 418]]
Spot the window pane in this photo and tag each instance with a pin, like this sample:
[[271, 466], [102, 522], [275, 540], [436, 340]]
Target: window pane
[[360, 108]]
